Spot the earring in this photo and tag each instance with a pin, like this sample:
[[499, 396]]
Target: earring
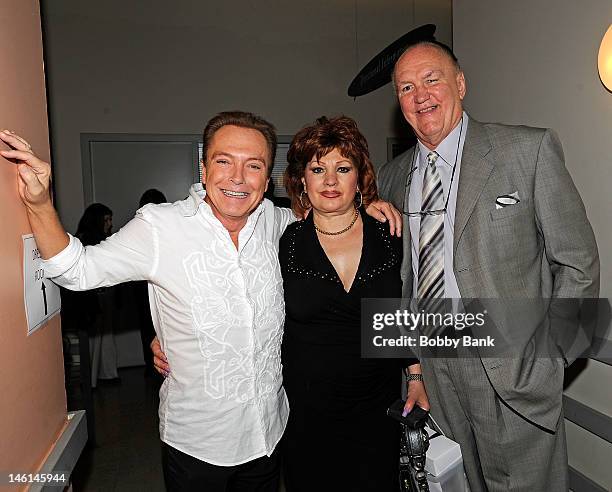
[[360, 198], [300, 199]]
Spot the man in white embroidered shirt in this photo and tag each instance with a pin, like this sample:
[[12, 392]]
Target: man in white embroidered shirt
[[211, 262]]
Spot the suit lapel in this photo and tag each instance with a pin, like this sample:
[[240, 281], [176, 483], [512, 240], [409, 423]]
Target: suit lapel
[[474, 174], [403, 179], [398, 196], [407, 242]]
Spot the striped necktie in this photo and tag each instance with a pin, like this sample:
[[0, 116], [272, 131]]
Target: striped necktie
[[430, 285]]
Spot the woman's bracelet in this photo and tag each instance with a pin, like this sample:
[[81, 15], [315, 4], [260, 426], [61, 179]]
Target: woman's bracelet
[[414, 377]]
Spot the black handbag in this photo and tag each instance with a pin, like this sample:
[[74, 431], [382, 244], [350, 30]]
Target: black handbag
[[414, 442]]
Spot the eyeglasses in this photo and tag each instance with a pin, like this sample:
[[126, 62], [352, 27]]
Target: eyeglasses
[[423, 213]]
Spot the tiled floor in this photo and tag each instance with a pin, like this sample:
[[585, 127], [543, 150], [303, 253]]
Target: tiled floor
[[126, 455]]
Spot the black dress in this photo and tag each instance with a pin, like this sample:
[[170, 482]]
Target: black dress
[[338, 436]]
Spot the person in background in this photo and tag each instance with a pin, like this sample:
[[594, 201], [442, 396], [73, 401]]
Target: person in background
[[96, 308], [152, 195]]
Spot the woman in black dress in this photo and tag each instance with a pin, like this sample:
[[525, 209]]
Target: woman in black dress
[[338, 436]]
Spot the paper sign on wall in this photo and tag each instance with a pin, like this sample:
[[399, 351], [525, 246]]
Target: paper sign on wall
[[41, 296]]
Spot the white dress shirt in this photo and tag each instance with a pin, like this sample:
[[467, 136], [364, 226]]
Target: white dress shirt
[[449, 151], [218, 312]]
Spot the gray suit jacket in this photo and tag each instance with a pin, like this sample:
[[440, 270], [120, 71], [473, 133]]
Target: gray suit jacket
[[540, 248]]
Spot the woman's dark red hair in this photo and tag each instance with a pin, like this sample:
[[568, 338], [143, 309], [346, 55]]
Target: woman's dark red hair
[[318, 140]]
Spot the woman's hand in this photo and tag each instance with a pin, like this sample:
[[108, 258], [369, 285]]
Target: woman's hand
[[416, 396], [159, 358], [385, 211], [416, 392]]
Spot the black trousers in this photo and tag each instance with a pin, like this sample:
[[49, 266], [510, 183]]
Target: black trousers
[[184, 473]]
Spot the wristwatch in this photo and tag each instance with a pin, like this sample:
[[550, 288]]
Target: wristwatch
[[414, 377]]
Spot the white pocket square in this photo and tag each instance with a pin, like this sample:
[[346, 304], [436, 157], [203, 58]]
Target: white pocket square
[[505, 200]]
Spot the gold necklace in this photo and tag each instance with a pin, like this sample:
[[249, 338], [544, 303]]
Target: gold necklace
[[339, 232]]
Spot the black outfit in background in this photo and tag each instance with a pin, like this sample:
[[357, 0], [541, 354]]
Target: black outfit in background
[[338, 436]]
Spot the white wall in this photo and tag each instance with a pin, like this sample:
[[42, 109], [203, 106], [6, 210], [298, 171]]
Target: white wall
[[535, 62], [122, 66]]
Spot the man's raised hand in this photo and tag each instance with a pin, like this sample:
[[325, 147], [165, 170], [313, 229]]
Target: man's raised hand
[[34, 174]]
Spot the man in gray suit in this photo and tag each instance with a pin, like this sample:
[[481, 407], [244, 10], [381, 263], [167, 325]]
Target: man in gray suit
[[510, 225]]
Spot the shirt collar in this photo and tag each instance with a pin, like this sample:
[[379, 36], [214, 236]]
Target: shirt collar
[[447, 150], [194, 200]]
